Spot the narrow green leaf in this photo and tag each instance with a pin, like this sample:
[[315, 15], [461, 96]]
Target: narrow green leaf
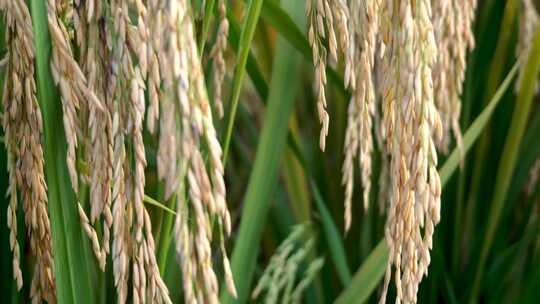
[[495, 74], [166, 235], [476, 128], [529, 153], [367, 277], [267, 161], [147, 199], [251, 66], [509, 155], [333, 237], [70, 267], [285, 26], [246, 36]]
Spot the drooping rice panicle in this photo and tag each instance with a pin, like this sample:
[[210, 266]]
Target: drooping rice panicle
[[452, 21], [154, 20], [411, 124], [23, 128], [217, 55], [95, 64], [186, 128], [132, 227], [120, 239], [358, 137], [71, 82], [322, 15]]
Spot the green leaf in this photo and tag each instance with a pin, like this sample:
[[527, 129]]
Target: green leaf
[[70, 268], [285, 26], [147, 199], [267, 161], [476, 128], [529, 153], [333, 237], [367, 277], [251, 66], [246, 36], [509, 155]]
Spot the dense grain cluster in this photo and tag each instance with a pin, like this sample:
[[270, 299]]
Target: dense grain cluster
[[411, 124], [23, 128], [419, 54], [102, 92]]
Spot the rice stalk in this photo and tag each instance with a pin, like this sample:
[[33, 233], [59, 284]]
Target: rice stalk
[[246, 36]]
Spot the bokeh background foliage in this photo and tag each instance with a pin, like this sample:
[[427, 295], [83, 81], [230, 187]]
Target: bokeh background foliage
[[486, 248]]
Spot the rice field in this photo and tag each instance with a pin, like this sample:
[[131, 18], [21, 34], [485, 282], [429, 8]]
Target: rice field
[[266, 151]]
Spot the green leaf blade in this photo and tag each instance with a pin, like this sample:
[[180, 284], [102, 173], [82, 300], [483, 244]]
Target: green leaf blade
[[70, 265]]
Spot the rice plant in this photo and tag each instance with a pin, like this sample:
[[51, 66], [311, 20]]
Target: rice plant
[[316, 151]]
